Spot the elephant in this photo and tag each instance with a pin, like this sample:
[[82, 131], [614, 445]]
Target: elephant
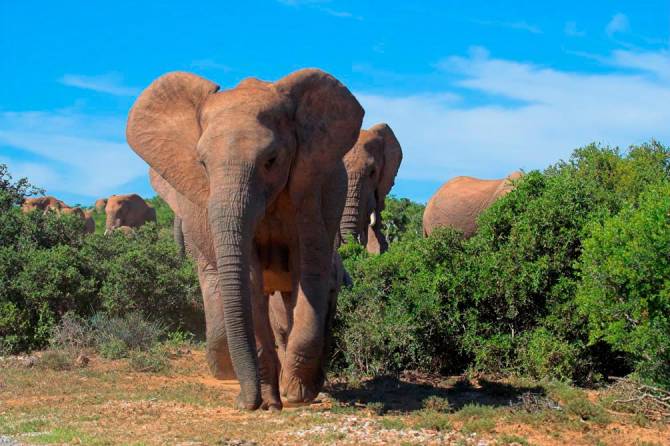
[[279, 302], [127, 210], [100, 204], [89, 223], [43, 204], [50, 203], [459, 201], [372, 165], [261, 186]]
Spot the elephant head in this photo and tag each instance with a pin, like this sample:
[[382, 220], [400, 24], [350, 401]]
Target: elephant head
[[127, 210], [232, 153], [371, 166]]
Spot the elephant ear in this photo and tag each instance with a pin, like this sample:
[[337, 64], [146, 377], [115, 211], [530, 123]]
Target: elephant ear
[[166, 192], [164, 129], [327, 118], [392, 159]]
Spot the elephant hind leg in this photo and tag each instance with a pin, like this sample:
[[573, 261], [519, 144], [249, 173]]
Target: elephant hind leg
[[218, 356]]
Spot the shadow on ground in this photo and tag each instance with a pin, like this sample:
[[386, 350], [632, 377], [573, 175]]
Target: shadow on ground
[[409, 392]]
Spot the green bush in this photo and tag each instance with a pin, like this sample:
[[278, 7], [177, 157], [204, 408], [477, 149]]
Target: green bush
[[505, 301], [401, 218], [49, 268], [135, 332], [397, 314], [625, 288], [152, 361]]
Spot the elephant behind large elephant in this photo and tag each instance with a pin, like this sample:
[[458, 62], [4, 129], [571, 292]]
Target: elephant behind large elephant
[[53, 204], [372, 165], [261, 188], [459, 201], [128, 210]]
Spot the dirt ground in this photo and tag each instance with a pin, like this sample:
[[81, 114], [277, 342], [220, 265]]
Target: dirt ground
[[105, 403]]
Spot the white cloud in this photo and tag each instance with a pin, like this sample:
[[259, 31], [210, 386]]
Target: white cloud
[[552, 113], [111, 83], [657, 63], [618, 24], [571, 30], [75, 153]]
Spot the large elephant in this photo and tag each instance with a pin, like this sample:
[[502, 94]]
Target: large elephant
[[53, 204], [371, 166], [459, 201], [262, 184], [127, 210]]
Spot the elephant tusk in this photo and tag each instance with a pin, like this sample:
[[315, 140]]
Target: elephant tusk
[[373, 218]]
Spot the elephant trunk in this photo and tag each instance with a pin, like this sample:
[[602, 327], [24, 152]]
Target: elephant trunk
[[178, 234], [233, 212], [350, 222]]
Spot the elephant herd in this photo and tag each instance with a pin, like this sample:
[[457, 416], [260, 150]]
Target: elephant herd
[[266, 179], [123, 212]]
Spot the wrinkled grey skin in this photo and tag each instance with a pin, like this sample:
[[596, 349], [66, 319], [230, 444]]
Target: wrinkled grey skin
[[260, 171], [372, 165], [178, 234]]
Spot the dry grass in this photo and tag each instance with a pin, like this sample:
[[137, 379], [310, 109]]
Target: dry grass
[[107, 403]]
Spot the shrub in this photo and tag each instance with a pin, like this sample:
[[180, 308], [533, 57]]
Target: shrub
[[625, 288], [401, 219], [504, 301], [132, 330], [395, 316], [145, 274], [57, 360], [72, 334], [152, 361]]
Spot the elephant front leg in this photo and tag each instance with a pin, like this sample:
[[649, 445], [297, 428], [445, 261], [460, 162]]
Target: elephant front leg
[[303, 374], [265, 343], [218, 356], [281, 315]]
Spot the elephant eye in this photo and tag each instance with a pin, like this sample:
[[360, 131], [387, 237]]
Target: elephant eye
[[271, 162], [372, 173]]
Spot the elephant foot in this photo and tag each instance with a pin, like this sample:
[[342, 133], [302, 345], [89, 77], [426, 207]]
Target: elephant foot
[[299, 391], [272, 404], [242, 404], [270, 396]]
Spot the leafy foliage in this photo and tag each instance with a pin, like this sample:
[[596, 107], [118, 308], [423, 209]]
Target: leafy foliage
[[625, 288], [506, 299], [401, 218], [48, 268]]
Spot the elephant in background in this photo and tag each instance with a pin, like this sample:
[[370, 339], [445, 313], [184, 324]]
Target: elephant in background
[[127, 210], [53, 204], [459, 201], [372, 165], [260, 188], [47, 203], [100, 204]]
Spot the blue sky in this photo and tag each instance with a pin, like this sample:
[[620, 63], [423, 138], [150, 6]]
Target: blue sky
[[470, 87]]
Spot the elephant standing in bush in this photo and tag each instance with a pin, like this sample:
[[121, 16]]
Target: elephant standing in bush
[[128, 210], [260, 187], [459, 201], [372, 165], [59, 207], [100, 204]]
